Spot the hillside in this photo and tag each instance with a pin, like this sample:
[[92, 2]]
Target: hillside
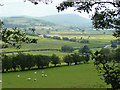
[[24, 22], [68, 20]]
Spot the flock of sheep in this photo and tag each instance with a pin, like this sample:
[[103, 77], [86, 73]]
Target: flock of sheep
[[43, 75]]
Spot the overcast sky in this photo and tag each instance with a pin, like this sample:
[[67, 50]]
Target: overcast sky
[[19, 7]]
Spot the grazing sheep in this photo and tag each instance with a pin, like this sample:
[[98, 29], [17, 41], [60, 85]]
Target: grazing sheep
[[42, 72], [45, 75], [35, 79], [0, 81], [18, 75], [35, 72], [42, 75], [29, 79]]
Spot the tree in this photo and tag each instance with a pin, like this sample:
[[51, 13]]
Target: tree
[[30, 61], [75, 58], [68, 59], [103, 18], [105, 51], [22, 61], [109, 69], [66, 48], [6, 63], [114, 45], [86, 58], [55, 59], [38, 59], [13, 37], [85, 49]]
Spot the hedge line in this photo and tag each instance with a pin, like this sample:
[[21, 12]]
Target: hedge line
[[22, 62]]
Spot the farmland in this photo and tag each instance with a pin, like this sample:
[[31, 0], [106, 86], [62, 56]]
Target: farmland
[[59, 77], [75, 76]]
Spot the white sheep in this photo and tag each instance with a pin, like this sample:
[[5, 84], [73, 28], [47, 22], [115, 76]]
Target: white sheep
[[35, 79], [35, 72], [42, 72], [45, 75], [29, 79], [0, 81], [18, 75], [42, 75]]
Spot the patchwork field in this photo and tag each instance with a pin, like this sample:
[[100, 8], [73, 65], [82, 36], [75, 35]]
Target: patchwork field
[[98, 41], [75, 76]]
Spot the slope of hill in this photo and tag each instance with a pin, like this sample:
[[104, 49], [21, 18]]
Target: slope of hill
[[69, 20], [23, 22]]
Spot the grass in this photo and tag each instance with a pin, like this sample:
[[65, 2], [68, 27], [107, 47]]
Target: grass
[[78, 76], [46, 43]]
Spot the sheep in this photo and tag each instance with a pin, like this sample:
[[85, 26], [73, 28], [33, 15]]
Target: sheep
[[42, 72], [45, 75], [42, 75], [35, 79], [35, 72], [29, 79], [18, 75], [0, 81]]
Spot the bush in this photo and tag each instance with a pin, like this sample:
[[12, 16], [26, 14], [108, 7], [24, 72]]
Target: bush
[[85, 49], [105, 51], [68, 59], [84, 41], [66, 48], [65, 38], [55, 59]]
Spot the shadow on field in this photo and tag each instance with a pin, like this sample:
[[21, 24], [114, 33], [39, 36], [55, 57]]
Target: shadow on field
[[44, 68]]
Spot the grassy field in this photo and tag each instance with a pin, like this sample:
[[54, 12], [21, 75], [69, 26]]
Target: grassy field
[[75, 76], [79, 76], [46, 43]]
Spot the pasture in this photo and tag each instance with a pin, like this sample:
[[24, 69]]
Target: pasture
[[76, 76], [47, 43]]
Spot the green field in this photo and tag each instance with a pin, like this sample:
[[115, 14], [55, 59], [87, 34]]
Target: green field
[[75, 76], [78, 76], [46, 43]]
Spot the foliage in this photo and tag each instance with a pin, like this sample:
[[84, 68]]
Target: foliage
[[104, 16], [66, 48], [65, 38], [68, 59], [84, 41], [114, 45], [6, 63], [105, 51], [75, 58], [109, 69], [86, 58], [55, 59], [14, 37], [85, 49]]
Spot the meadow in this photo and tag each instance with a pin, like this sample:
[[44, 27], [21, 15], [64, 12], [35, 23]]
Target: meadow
[[78, 76], [96, 41], [74, 76]]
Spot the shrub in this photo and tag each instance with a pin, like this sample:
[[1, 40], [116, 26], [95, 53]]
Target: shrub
[[66, 48]]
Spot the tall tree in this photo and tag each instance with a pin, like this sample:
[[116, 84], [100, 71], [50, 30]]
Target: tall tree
[[55, 59], [68, 59]]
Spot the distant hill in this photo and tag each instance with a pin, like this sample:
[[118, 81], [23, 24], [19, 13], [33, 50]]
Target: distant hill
[[69, 20], [24, 21]]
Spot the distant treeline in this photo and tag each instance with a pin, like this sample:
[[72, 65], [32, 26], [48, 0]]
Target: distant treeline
[[67, 39], [21, 62]]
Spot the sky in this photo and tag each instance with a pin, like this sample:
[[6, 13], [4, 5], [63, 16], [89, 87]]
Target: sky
[[21, 8]]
